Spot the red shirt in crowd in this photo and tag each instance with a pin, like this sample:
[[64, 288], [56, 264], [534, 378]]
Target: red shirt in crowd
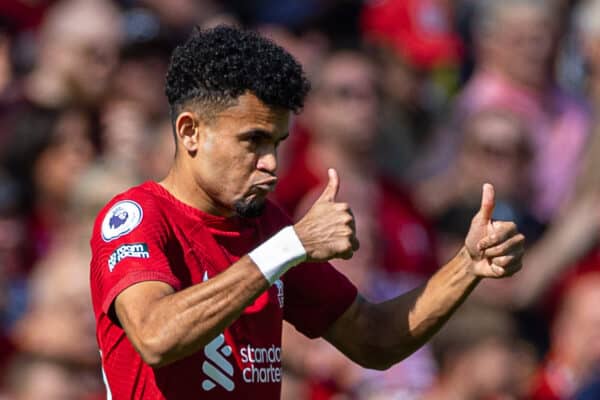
[[146, 234], [552, 383], [407, 239]]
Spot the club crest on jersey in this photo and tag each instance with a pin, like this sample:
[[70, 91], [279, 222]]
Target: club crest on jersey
[[121, 219]]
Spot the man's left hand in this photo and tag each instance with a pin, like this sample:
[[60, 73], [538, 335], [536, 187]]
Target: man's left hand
[[495, 247]]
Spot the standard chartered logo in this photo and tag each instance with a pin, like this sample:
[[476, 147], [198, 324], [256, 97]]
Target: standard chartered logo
[[265, 364], [217, 368]]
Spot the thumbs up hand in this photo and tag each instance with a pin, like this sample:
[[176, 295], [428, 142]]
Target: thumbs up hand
[[496, 247], [327, 230]]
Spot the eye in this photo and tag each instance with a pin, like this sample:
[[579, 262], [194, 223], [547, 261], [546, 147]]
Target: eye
[[254, 140]]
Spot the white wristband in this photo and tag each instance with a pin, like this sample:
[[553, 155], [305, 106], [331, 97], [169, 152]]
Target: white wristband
[[278, 254]]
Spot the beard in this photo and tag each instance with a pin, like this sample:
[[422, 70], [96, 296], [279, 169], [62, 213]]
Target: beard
[[249, 209]]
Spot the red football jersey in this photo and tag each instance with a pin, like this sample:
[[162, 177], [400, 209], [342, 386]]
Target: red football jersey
[[147, 234]]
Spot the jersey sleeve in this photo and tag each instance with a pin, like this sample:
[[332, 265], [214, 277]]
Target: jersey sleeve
[[316, 295], [129, 245]]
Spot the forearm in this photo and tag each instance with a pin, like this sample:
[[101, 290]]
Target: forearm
[[567, 240], [419, 314], [380, 335], [390, 331], [165, 326], [186, 321]]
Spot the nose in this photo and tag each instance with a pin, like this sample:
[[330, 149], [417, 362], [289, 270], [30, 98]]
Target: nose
[[267, 162]]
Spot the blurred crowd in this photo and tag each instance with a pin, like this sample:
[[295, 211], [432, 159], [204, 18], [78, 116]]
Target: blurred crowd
[[416, 103]]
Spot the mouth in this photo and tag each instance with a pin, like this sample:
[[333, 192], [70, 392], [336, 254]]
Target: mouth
[[266, 185]]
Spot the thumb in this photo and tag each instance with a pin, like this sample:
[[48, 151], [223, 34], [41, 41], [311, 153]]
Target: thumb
[[331, 190], [487, 202]]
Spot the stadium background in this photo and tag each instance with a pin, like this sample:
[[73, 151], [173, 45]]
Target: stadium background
[[416, 102]]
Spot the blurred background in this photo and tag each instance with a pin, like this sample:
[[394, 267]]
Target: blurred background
[[415, 102]]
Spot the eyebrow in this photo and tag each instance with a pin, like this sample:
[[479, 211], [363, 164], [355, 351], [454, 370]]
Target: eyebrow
[[263, 133]]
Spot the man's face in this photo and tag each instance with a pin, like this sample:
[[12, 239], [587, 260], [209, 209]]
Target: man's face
[[236, 160], [84, 55], [495, 150], [524, 43], [344, 104]]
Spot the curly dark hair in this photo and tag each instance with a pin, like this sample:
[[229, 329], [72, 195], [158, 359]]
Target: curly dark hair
[[215, 66]]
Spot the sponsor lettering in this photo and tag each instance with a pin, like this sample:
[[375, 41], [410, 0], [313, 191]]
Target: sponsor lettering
[[261, 360], [135, 250], [262, 364]]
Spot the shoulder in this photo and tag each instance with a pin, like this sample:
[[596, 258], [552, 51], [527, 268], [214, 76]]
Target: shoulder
[[126, 211]]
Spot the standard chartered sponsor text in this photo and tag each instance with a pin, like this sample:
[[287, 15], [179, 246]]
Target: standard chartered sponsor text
[[261, 360]]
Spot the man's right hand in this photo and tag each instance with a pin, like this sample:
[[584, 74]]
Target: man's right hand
[[328, 230]]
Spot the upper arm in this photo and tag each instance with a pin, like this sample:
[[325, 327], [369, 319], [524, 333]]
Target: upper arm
[[133, 309], [316, 295], [127, 253], [134, 304], [350, 333], [364, 334]]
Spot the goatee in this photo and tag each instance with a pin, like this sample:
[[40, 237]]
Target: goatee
[[251, 209]]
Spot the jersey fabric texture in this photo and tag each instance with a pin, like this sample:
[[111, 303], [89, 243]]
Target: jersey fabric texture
[[146, 234]]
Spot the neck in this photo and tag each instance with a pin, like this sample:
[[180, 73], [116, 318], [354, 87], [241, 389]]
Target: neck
[[181, 183]]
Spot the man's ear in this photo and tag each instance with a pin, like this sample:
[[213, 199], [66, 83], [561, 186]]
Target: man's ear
[[188, 131]]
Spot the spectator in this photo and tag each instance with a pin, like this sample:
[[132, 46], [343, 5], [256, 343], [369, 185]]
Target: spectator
[[479, 357], [31, 378], [516, 42], [12, 281], [57, 324], [495, 148], [418, 53], [124, 130], [6, 77], [159, 151], [587, 34], [76, 59], [178, 17], [341, 117], [574, 355], [41, 138], [396, 242], [82, 117], [571, 243], [139, 76]]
